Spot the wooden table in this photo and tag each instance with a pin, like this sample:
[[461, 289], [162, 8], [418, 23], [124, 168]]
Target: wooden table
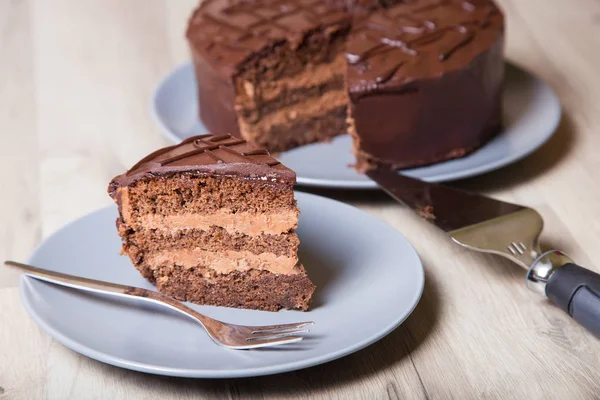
[[75, 83]]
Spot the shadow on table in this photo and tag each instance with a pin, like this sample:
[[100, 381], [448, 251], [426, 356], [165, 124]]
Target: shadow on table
[[389, 351], [542, 161]]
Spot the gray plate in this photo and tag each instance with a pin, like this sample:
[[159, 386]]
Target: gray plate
[[531, 114], [369, 280]]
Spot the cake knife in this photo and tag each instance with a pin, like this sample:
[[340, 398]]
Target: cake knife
[[483, 224]]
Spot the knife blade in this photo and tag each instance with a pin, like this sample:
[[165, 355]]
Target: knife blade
[[483, 224], [447, 208]]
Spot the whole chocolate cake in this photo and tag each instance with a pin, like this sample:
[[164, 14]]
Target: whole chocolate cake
[[212, 221], [414, 81]]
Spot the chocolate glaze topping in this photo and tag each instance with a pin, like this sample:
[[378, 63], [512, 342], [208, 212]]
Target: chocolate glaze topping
[[425, 81], [208, 154], [228, 32], [421, 39]]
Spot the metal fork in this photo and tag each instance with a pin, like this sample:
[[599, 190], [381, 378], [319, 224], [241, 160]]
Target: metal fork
[[229, 335]]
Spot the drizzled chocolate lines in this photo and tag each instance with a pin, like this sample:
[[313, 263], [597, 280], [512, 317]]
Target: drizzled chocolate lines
[[207, 144], [464, 41], [255, 152], [263, 19], [204, 146], [391, 39]]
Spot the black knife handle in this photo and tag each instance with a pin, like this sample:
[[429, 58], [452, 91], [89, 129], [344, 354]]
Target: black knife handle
[[577, 291]]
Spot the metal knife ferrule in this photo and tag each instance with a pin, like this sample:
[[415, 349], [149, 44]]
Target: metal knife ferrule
[[542, 269]]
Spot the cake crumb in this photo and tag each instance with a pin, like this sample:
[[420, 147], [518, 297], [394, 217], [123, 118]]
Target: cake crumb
[[249, 89], [427, 213]]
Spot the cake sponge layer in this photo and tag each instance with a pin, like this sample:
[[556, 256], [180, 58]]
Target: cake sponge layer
[[256, 100], [287, 134], [187, 194], [254, 289], [214, 239]]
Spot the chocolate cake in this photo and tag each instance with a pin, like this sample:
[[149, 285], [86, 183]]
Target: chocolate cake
[[425, 81], [212, 221], [415, 81]]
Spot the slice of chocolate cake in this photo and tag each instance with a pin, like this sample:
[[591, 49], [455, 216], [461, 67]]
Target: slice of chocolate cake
[[212, 221]]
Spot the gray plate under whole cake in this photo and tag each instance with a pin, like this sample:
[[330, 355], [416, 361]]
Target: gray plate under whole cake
[[531, 114]]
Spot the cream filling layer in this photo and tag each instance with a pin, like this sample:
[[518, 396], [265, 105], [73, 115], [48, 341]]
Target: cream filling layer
[[224, 262], [248, 223], [313, 75], [312, 107]]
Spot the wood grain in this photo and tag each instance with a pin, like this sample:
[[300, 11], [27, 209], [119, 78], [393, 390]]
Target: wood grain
[[75, 83]]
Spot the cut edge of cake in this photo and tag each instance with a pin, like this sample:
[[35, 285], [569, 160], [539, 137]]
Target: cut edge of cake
[[296, 94]]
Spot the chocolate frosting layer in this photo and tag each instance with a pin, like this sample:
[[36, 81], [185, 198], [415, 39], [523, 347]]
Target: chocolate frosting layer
[[425, 81], [209, 154], [422, 39], [225, 33]]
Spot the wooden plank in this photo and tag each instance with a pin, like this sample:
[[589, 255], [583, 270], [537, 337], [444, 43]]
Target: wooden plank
[[24, 350], [94, 91], [19, 211]]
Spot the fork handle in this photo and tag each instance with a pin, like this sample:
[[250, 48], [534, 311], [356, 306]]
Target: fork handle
[[92, 285]]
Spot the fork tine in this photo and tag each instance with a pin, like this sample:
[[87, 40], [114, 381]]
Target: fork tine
[[268, 336], [281, 328], [252, 344]]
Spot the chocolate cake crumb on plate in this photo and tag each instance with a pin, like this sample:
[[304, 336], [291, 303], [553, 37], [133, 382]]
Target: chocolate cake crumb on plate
[[211, 221]]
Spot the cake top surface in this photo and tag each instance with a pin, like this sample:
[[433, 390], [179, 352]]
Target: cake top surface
[[419, 39], [209, 154], [228, 32]]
